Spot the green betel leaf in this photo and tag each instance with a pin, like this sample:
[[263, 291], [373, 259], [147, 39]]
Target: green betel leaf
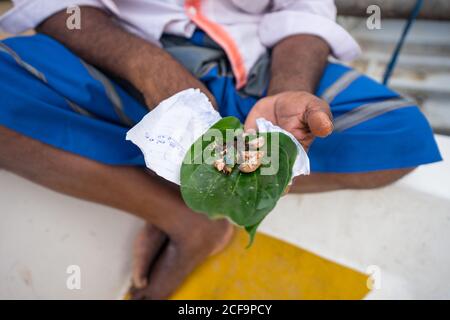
[[244, 198]]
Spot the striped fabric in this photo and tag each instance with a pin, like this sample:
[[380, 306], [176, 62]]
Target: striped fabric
[[51, 95]]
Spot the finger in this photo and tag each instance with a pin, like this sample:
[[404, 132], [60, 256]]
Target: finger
[[250, 132], [250, 121], [301, 134], [250, 124], [171, 268], [146, 247], [319, 123], [262, 109]]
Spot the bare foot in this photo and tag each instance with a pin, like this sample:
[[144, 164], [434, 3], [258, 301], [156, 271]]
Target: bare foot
[[198, 238], [147, 245]]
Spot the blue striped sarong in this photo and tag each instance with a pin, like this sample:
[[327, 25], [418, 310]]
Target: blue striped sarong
[[51, 95]]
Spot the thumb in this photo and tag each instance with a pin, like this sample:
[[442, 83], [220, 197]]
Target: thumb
[[320, 123]]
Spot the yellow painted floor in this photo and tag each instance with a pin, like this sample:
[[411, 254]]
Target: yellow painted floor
[[271, 269]]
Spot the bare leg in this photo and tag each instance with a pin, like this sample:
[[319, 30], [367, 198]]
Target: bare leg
[[191, 236], [321, 182]]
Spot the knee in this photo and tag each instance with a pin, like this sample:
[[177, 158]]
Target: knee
[[373, 180]]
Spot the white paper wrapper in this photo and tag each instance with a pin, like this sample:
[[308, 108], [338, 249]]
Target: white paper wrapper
[[166, 133], [301, 164]]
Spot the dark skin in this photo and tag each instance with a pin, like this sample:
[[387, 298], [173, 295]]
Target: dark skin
[[147, 67], [297, 66], [175, 239], [290, 102]]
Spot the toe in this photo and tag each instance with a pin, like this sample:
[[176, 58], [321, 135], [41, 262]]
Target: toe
[[147, 245], [226, 234], [168, 272]]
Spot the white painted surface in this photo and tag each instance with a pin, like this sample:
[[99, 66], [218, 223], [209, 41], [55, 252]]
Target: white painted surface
[[42, 233], [404, 229]]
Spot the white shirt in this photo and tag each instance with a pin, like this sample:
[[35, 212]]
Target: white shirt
[[244, 28]]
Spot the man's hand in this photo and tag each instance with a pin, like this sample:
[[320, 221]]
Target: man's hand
[[297, 66], [300, 113], [106, 45]]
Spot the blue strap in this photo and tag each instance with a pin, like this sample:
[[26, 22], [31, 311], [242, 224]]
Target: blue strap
[[390, 67]]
